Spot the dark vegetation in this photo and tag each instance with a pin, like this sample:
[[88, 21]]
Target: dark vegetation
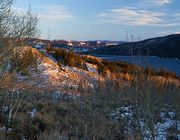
[[90, 116], [72, 59], [23, 62], [66, 57], [168, 46]]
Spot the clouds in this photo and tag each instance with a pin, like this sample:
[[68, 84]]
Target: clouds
[[131, 16], [141, 15], [157, 2], [162, 2], [54, 14], [105, 18]]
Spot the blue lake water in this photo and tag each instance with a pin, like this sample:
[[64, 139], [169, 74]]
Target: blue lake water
[[170, 64]]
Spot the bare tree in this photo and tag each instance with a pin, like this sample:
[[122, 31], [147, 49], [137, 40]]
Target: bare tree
[[15, 28]]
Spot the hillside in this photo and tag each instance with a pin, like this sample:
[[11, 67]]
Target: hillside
[[168, 46], [60, 78], [61, 88], [59, 70]]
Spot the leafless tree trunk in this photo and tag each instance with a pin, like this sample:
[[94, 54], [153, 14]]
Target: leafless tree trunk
[[14, 29]]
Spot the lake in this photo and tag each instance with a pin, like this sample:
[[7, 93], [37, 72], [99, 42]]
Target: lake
[[170, 64]]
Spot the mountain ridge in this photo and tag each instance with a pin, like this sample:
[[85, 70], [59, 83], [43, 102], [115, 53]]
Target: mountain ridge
[[167, 46]]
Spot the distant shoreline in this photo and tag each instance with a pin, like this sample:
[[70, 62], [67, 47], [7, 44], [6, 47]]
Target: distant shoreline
[[170, 64]]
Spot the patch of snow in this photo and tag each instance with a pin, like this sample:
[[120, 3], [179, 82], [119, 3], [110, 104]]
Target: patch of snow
[[3, 129], [91, 68], [32, 113], [161, 128]]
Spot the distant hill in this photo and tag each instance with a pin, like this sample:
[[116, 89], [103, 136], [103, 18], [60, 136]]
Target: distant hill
[[168, 46], [88, 44], [83, 46], [76, 46]]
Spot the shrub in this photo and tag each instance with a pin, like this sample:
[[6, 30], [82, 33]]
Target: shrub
[[21, 63]]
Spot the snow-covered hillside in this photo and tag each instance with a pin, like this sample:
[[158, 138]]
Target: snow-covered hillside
[[60, 78]]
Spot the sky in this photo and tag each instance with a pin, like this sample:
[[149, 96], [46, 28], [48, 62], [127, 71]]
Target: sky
[[104, 19]]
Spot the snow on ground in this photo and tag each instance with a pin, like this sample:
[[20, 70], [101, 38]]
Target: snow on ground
[[92, 68], [83, 74], [168, 121], [4, 129], [61, 78]]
